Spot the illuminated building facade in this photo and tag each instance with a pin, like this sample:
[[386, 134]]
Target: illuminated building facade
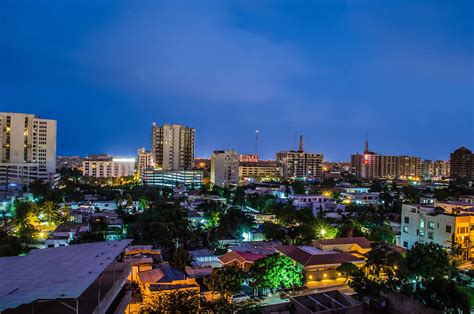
[[191, 179], [144, 160], [108, 167], [225, 168], [27, 148], [258, 171], [430, 224], [436, 169], [370, 165], [299, 164], [173, 146]]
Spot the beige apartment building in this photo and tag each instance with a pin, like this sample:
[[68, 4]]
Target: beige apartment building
[[173, 146], [27, 148]]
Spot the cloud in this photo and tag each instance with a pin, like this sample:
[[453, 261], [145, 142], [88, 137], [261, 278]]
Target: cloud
[[192, 53]]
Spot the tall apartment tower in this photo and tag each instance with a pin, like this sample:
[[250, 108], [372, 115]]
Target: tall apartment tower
[[225, 168], [300, 164], [27, 148], [173, 146], [144, 160], [462, 164]]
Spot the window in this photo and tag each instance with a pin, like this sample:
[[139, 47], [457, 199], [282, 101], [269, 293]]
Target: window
[[448, 228], [405, 244], [431, 224], [407, 219], [422, 233], [422, 223], [430, 235], [405, 229]]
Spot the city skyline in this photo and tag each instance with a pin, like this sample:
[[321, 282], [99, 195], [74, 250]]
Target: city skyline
[[401, 71]]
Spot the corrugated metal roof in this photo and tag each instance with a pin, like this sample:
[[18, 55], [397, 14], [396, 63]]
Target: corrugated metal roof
[[55, 273]]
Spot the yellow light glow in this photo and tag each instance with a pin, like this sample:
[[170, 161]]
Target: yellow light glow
[[310, 277], [325, 275], [339, 274]]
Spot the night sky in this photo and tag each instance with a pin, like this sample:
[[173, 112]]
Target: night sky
[[106, 70]]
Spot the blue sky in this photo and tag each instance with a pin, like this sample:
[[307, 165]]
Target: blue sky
[[332, 70]]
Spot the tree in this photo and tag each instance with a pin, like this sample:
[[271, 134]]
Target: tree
[[276, 271], [225, 281], [179, 258], [234, 222], [428, 261], [88, 237], [175, 301], [444, 294], [298, 187], [273, 231], [382, 233]]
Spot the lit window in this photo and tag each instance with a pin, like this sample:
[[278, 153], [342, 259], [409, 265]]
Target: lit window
[[422, 223], [431, 225], [405, 229]]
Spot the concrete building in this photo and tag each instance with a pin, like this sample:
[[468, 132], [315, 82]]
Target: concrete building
[[108, 167], [173, 146], [421, 223], [462, 164], [225, 168], [436, 169], [258, 171], [27, 149], [371, 165], [191, 179], [299, 164], [144, 160]]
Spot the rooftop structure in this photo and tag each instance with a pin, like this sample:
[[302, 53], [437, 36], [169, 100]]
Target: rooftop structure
[[62, 275]]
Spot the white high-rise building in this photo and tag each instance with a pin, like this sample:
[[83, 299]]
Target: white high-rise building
[[225, 168], [27, 148], [173, 146]]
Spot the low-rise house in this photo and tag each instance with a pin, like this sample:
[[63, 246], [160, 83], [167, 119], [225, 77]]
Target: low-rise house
[[317, 264], [64, 233], [358, 245], [361, 199], [204, 258], [242, 260], [165, 278]]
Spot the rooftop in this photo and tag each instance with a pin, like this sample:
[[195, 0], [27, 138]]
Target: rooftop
[[310, 256], [53, 273], [361, 241]]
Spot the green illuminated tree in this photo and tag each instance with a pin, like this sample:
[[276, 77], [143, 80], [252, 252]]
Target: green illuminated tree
[[276, 271]]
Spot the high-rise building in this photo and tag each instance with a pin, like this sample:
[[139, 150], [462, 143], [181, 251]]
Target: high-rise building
[[27, 148], [225, 168], [173, 146], [299, 164], [144, 160], [462, 164], [371, 165], [108, 167], [435, 169]]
